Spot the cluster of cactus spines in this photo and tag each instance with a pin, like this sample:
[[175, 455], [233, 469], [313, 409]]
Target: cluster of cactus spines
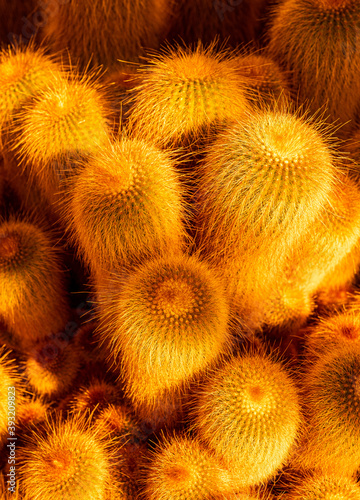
[[51, 369], [32, 412], [133, 188], [68, 120], [24, 72], [332, 438], [118, 422], [265, 78], [9, 378], [263, 182], [114, 31], [33, 298], [316, 40], [184, 93], [95, 397], [248, 412], [324, 487], [167, 322], [181, 468], [67, 460]]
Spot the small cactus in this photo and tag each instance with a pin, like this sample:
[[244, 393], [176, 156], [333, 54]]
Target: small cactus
[[166, 322], [126, 206], [317, 41], [33, 298], [65, 122], [66, 461], [324, 487], [95, 397], [183, 93], [331, 440], [181, 468], [11, 395], [248, 412]]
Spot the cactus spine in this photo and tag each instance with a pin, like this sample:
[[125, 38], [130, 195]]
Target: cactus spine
[[317, 40], [10, 395], [33, 298], [248, 412], [183, 93], [126, 206], [112, 31], [324, 487], [167, 322], [332, 440], [67, 461]]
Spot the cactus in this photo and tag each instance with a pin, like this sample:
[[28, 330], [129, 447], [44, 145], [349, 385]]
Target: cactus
[[317, 40], [132, 188], [262, 183], [95, 397], [265, 79], [50, 368], [11, 395], [24, 72], [117, 422], [248, 412], [32, 412], [332, 438], [183, 469], [66, 121], [98, 33], [166, 322], [184, 93], [33, 299], [324, 487], [65, 462]]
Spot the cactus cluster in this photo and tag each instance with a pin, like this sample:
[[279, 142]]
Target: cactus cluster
[[179, 250]]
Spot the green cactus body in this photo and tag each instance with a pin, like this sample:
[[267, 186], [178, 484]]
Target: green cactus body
[[262, 183], [166, 322], [65, 462], [324, 487], [99, 33], [126, 206], [65, 122], [248, 412], [331, 440], [183, 93], [318, 42], [183, 469], [33, 298]]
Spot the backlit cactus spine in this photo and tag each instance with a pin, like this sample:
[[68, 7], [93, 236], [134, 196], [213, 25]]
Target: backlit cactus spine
[[318, 42]]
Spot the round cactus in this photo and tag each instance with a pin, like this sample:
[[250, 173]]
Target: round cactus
[[183, 93], [132, 188], [95, 397], [33, 299], [166, 322], [332, 437], [183, 469], [99, 33], [66, 121], [317, 41], [117, 422], [324, 487], [248, 412], [66, 461]]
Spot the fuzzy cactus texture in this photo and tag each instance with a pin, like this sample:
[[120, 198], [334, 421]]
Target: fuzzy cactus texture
[[185, 92], [248, 412], [324, 487], [126, 206], [317, 41]]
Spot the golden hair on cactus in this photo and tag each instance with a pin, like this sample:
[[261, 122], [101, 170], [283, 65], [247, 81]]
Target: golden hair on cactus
[[167, 322], [117, 422], [67, 461], [316, 40], [265, 78], [331, 439], [51, 368], [24, 72], [11, 395], [181, 468], [95, 397], [100, 33], [185, 92], [32, 412], [128, 474], [324, 487], [33, 298], [248, 412], [66, 121], [126, 206]]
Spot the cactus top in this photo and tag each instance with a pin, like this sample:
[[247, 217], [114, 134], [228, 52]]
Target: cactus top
[[324, 487]]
